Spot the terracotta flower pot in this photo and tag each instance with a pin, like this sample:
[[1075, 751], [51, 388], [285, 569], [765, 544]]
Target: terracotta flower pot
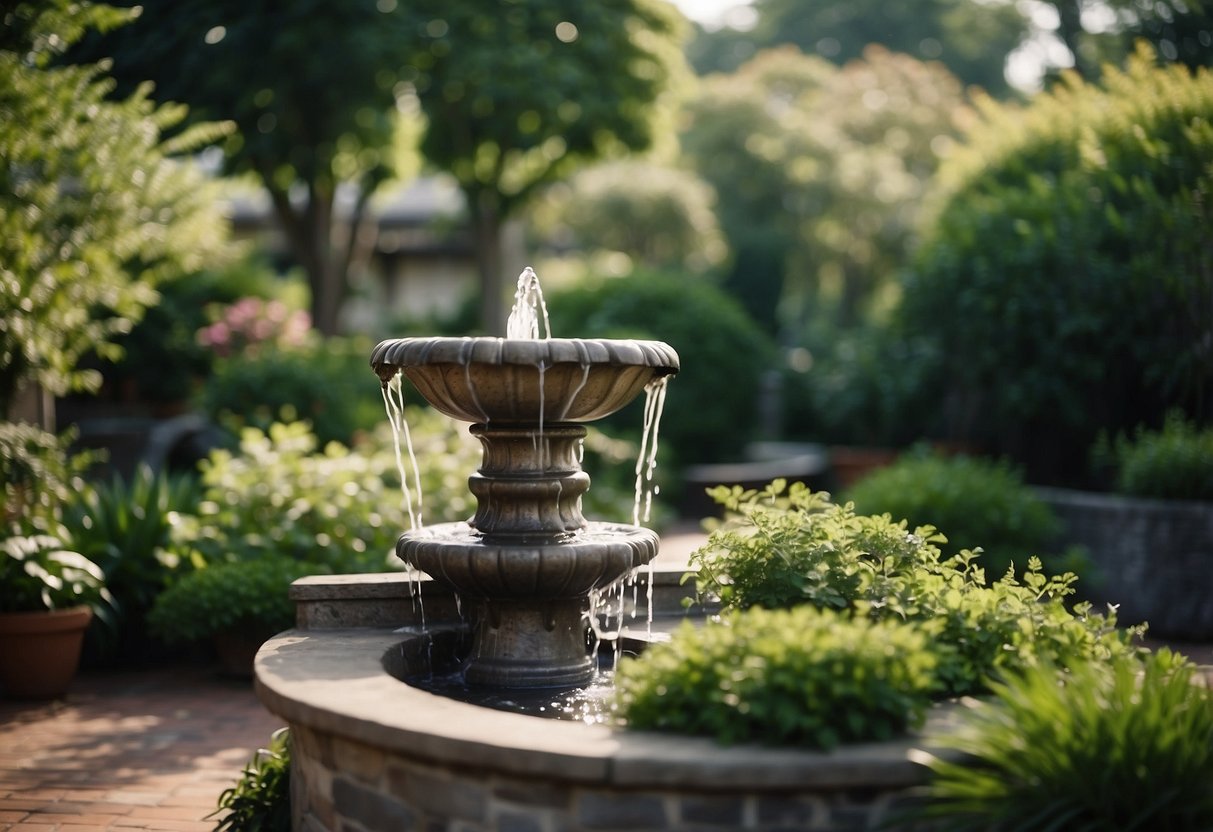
[[40, 651]]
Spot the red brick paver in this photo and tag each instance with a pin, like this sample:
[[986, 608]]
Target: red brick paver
[[124, 751]]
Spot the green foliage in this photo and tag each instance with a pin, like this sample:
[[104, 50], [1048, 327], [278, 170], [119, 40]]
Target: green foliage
[[37, 569], [1175, 463], [981, 503], [972, 39], [38, 573], [281, 508], [1063, 290], [714, 338], [314, 105], [785, 547], [784, 677], [325, 381], [863, 388], [94, 209], [162, 358], [502, 134], [247, 597], [660, 217], [282, 496], [1125, 746], [515, 100], [38, 476], [824, 170], [261, 799], [126, 529]]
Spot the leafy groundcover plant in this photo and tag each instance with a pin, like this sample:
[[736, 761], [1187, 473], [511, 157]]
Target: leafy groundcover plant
[[792, 677], [261, 799], [817, 673], [788, 546], [978, 501], [1125, 746]]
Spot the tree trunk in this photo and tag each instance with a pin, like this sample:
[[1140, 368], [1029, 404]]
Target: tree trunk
[[487, 227], [1069, 29], [325, 277], [309, 233]]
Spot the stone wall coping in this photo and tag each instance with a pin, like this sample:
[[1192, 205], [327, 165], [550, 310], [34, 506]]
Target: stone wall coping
[[335, 682], [403, 585], [1127, 502]]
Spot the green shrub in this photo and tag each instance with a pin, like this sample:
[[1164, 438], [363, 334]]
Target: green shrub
[[247, 597], [1062, 290], [711, 405], [1175, 463], [281, 495], [787, 677], [1123, 746], [261, 799], [786, 547], [980, 503], [326, 382], [126, 528], [280, 509]]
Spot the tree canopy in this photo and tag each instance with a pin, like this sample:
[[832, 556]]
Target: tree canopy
[[518, 93], [94, 209], [311, 86], [825, 169], [972, 39]]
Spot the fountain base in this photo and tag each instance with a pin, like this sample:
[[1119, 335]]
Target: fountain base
[[530, 598]]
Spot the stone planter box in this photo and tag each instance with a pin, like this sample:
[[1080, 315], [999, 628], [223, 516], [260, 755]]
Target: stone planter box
[[373, 753], [1154, 558]]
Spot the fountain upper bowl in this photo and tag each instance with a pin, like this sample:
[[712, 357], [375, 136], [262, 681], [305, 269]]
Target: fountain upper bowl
[[525, 381]]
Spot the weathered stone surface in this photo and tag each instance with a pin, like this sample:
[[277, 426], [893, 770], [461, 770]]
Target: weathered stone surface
[[708, 810], [371, 809], [518, 822], [460, 798], [1151, 557], [358, 760], [612, 810]]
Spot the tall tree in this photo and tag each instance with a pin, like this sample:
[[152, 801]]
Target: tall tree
[[312, 87], [1179, 30], [517, 93], [971, 38], [825, 169], [94, 210]]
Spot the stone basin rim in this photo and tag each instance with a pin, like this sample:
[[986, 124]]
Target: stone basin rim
[[396, 353], [335, 682]]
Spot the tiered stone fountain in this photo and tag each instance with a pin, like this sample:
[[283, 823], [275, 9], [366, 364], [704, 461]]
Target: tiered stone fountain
[[527, 559]]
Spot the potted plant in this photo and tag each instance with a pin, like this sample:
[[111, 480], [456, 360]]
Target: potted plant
[[50, 593]]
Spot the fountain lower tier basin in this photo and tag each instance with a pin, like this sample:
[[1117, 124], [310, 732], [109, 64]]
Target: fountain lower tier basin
[[370, 752], [528, 599]]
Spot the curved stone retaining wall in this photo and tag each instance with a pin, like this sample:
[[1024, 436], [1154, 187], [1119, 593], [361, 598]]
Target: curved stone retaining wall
[[372, 753]]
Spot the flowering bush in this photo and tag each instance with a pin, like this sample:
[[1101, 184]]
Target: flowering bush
[[244, 327]]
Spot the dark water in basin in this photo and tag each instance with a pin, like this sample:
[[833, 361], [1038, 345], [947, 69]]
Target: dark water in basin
[[431, 662], [590, 704]]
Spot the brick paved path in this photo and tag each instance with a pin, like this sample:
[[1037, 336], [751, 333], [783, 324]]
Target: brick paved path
[[138, 750]]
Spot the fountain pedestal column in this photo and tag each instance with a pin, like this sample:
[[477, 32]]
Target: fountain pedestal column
[[527, 561]]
